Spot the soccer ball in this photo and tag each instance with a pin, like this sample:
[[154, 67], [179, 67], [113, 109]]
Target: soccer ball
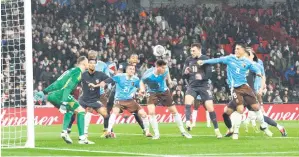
[[159, 51]]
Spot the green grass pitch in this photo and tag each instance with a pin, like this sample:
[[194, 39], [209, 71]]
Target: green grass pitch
[[131, 142]]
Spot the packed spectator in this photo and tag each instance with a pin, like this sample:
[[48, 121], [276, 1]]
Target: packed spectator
[[61, 33]]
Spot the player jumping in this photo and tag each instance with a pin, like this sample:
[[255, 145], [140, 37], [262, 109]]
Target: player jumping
[[59, 95], [199, 85], [237, 67], [155, 81]]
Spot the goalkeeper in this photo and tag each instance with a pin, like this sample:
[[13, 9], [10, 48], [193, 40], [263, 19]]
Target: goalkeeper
[[59, 94]]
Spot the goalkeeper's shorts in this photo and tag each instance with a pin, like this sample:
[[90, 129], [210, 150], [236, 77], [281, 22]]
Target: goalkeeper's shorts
[[56, 99]]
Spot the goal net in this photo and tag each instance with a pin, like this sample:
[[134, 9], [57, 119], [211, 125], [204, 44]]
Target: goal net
[[17, 108]]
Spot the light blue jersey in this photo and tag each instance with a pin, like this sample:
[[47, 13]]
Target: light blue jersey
[[257, 80], [236, 69], [102, 67], [198, 97], [155, 83], [125, 87]]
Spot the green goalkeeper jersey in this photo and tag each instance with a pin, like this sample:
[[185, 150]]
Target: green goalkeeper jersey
[[67, 82]]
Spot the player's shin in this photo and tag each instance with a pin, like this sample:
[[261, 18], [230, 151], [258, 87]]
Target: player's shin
[[87, 120], [237, 119], [106, 122], [188, 115], [260, 118], [111, 122], [227, 120], [215, 123], [80, 119], [264, 125], [208, 119], [144, 119], [270, 121], [154, 123], [194, 117], [66, 120], [214, 119], [71, 123], [139, 121], [179, 121], [275, 124]]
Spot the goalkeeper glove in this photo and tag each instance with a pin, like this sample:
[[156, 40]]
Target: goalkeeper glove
[[62, 108]]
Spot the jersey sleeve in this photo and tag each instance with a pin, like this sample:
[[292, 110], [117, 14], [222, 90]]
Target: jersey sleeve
[[70, 85], [146, 75], [185, 66], [57, 84], [254, 68], [208, 70], [106, 70], [103, 76], [223, 60], [116, 78]]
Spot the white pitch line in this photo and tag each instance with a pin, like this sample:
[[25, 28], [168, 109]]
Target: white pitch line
[[100, 151], [159, 155], [172, 135]]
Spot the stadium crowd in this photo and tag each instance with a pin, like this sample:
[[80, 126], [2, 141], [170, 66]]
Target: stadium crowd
[[61, 33]]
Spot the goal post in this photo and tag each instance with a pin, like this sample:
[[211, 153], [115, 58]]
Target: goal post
[[16, 91], [30, 143]]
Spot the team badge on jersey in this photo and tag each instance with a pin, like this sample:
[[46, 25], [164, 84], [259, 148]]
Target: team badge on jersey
[[244, 65], [132, 83], [97, 81]]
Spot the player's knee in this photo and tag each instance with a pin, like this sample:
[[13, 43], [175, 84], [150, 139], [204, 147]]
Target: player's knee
[[228, 111], [151, 113], [151, 109], [88, 109], [116, 110], [209, 105], [80, 109], [255, 107], [173, 110], [240, 109], [189, 99], [105, 114], [142, 113]]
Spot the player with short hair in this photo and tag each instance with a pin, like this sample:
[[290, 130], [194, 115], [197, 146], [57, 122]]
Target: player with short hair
[[133, 60], [59, 94], [256, 83], [154, 82], [126, 87], [237, 67], [100, 66], [199, 85], [91, 98]]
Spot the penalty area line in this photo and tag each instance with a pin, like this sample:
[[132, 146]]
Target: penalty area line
[[100, 151]]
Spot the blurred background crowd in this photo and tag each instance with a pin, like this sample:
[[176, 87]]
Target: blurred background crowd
[[64, 30]]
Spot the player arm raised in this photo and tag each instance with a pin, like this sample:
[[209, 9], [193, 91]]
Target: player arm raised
[[223, 60]]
